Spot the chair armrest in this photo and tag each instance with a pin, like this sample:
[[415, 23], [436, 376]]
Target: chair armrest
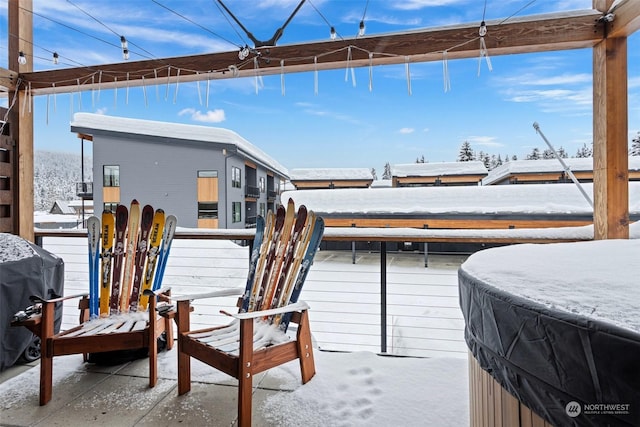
[[297, 306], [222, 292], [36, 299]]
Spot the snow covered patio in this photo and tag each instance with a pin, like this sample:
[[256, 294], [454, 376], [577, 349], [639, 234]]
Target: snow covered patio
[[349, 389]]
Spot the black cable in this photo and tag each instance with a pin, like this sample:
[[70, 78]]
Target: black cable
[[193, 22], [244, 42], [110, 29], [325, 19]]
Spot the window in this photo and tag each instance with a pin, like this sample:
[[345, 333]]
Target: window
[[207, 210], [263, 184], [236, 181], [111, 176], [207, 174], [236, 213], [111, 207], [263, 210]]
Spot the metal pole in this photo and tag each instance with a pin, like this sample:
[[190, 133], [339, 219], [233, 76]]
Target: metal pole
[[383, 297], [536, 126], [353, 249]]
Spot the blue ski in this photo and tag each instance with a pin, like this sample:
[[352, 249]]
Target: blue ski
[[93, 235]]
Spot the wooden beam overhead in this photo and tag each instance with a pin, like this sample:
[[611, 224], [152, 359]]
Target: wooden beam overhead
[[539, 33], [625, 19]]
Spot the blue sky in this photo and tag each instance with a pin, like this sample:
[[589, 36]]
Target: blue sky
[[343, 125]]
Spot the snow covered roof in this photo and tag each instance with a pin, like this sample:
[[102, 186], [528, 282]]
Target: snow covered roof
[[63, 208], [89, 123], [523, 199], [439, 169], [546, 166], [323, 174]]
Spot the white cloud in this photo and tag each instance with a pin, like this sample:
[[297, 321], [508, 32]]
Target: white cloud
[[406, 130], [211, 116], [419, 4], [486, 141]]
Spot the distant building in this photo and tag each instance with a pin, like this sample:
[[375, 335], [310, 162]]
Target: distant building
[[61, 207], [208, 177], [438, 174], [550, 171], [323, 178]]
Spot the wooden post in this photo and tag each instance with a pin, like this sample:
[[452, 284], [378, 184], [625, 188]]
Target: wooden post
[[610, 135], [20, 40]]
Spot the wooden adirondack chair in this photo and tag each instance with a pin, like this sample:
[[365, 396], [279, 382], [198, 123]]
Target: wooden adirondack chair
[[113, 317], [256, 339]]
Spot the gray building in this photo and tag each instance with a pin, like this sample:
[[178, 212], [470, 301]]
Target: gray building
[[208, 177]]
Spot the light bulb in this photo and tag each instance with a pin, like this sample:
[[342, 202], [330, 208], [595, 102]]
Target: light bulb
[[55, 58], [123, 43], [22, 60], [483, 29], [361, 29], [333, 33], [125, 54]]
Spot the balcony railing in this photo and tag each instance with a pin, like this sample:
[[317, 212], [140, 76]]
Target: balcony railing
[[251, 191], [356, 304], [84, 190]]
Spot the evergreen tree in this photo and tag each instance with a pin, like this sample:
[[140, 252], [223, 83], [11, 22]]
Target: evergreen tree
[[374, 174], [534, 155], [548, 153], [514, 157], [466, 153], [506, 158], [420, 159], [584, 151], [387, 171], [635, 146]]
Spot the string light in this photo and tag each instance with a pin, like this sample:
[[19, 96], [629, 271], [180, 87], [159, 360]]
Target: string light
[[22, 60], [125, 48], [243, 53], [361, 29], [333, 33], [55, 58]]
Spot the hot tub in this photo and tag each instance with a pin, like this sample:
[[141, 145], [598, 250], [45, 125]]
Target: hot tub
[[553, 332]]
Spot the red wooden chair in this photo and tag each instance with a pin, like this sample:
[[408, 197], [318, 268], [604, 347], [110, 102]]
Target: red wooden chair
[[256, 339], [130, 326]]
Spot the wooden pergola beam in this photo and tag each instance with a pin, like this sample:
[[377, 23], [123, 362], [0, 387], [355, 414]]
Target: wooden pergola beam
[[557, 31]]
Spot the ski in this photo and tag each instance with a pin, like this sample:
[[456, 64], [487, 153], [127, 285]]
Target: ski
[[261, 280], [312, 247], [259, 267], [253, 261], [129, 257], [93, 235], [268, 288], [298, 239], [122, 217], [141, 255], [287, 259], [167, 238], [155, 240], [108, 226]]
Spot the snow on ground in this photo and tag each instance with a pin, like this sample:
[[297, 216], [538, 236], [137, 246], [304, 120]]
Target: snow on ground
[[349, 389]]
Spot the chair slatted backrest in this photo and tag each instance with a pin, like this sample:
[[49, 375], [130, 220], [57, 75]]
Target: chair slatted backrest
[[283, 250], [128, 252]]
